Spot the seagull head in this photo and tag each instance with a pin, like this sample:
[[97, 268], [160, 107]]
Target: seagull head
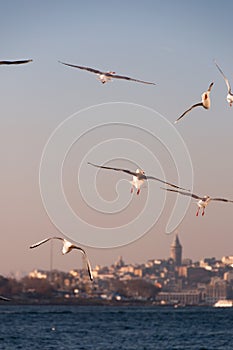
[[140, 171], [111, 72]]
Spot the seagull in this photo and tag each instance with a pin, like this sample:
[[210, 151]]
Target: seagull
[[138, 177], [104, 77], [4, 298], [67, 247], [205, 102], [202, 201], [229, 94], [15, 62]]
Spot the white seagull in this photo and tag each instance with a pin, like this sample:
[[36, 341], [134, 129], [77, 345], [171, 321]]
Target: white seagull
[[202, 201], [138, 177], [229, 93], [4, 298], [15, 62], [67, 247], [205, 102], [104, 77]]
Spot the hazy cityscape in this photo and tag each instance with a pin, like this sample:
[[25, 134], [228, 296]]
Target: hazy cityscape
[[171, 281]]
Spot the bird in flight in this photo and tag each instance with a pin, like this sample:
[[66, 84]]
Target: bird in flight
[[229, 93], [15, 62], [205, 102], [202, 202], [139, 177], [67, 247], [105, 77]]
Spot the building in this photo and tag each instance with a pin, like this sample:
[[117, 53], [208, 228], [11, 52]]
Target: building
[[176, 251], [218, 289], [190, 297]]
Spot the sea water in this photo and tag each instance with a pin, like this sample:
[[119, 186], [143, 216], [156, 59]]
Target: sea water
[[114, 328]]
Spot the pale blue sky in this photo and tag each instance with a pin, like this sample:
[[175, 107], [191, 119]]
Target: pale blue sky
[[170, 43]]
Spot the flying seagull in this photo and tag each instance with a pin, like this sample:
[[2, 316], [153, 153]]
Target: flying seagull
[[104, 77], [4, 298], [15, 62], [202, 201], [205, 102], [138, 177], [229, 93], [67, 247]]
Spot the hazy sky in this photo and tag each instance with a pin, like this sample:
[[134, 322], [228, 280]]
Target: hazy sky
[[167, 42]]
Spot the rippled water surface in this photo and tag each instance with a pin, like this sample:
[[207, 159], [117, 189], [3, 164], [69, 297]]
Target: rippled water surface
[[114, 328]]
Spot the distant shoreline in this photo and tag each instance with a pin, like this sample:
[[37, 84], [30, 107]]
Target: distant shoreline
[[90, 302]]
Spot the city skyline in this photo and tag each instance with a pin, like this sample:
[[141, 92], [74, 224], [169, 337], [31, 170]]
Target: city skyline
[[55, 259], [172, 281], [153, 41]]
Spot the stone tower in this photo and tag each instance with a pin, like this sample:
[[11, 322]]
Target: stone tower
[[176, 251]]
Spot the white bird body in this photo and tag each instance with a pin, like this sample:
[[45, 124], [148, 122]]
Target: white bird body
[[205, 97], [205, 102], [139, 177], [66, 248], [230, 99], [137, 182], [202, 201], [105, 77]]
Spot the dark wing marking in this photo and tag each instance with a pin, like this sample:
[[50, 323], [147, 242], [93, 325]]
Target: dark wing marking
[[15, 62], [128, 78], [92, 70], [188, 110], [165, 182], [184, 193], [88, 265], [222, 200], [44, 241], [210, 87], [116, 169], [225, 78]]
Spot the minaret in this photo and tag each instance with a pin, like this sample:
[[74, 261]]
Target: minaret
[[176, 251]]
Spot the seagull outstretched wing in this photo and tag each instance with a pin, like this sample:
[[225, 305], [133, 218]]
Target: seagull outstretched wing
[[92, 70], [128, 78], [224, 77], [165, 182], [44, 241], [188, 110], [222, 200], [184, 193], [15, 62], [116, 169]]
